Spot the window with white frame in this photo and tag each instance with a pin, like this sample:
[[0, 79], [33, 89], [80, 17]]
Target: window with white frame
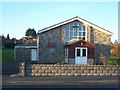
[[75, 30], [66, 53]]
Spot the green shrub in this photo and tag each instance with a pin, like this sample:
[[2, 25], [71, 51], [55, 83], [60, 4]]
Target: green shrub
[[112, 62], [62, 62]]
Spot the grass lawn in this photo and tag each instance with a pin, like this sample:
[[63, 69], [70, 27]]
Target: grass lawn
[[7, 55], [115, 59]]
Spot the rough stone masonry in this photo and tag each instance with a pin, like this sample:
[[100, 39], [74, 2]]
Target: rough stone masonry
[[68, 70]]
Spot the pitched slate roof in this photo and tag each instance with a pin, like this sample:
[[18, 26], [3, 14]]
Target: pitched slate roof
[[73, 19]]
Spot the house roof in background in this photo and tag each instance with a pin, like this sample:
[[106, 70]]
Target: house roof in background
[[74, 19]]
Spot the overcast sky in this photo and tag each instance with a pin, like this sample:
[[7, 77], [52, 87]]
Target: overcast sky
[[17, 17]]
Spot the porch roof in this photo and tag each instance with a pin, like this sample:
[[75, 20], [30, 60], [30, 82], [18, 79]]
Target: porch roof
[[81, 43]]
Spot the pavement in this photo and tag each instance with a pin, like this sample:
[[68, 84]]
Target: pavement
[[61, 82]]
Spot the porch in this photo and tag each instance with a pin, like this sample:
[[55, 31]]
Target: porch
[[79, 52]]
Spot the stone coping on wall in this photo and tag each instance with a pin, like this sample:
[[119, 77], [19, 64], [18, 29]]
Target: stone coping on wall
[[21, 46], [68, 70]]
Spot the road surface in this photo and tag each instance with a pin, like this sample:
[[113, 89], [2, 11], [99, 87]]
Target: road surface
[[61, 82]]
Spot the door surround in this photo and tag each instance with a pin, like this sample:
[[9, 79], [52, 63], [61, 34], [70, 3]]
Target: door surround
[[80, 55]]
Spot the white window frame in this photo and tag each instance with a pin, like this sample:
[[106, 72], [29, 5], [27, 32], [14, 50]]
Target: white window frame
[[66, 55], [81, 53], [34, 58]]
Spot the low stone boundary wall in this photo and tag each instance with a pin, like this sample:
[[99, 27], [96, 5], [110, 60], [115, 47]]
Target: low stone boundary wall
[[67, 70]]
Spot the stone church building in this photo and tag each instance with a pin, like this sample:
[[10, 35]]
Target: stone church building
[[74, 41]]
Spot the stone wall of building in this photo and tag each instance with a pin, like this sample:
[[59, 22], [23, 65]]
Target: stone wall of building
[[101, 41], [22, 54], [88, 33], [101, 37], [96, 36], [102, 50], [71, 60], [68, 70], [51, 44]]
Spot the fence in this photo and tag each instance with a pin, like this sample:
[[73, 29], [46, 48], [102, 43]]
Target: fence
[[9, 68]]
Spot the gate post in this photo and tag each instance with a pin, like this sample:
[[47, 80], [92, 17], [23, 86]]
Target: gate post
[[22, 69]]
